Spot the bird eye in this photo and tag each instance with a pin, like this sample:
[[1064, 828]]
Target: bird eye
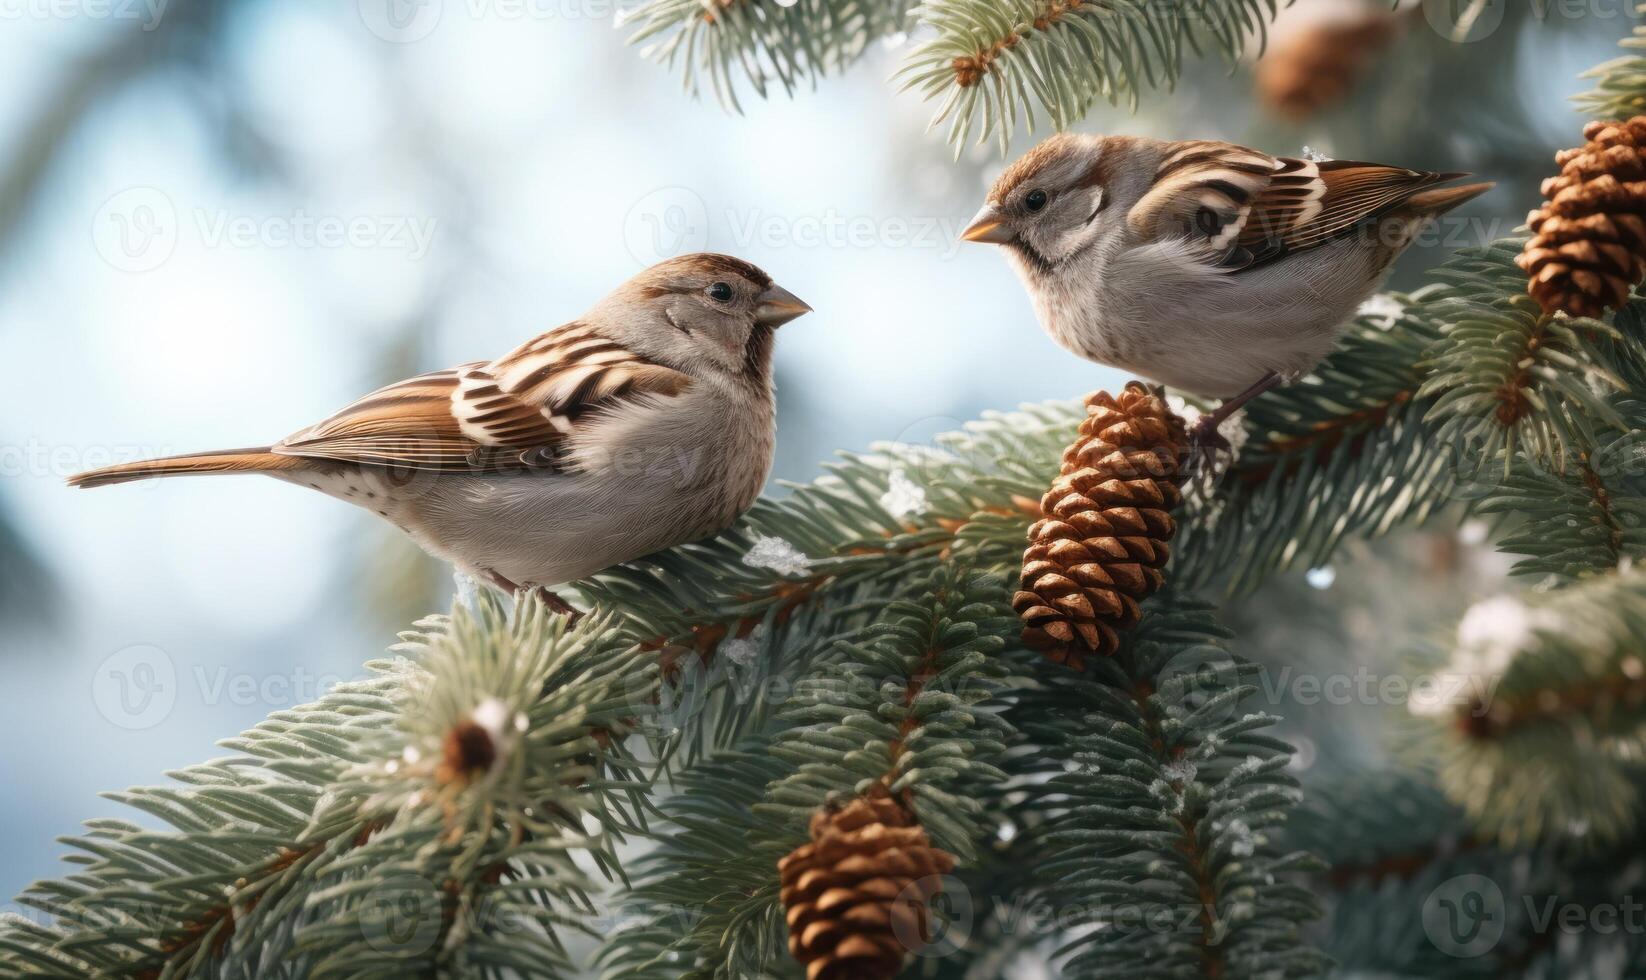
[[720, 292], [1208, 221], [1035, 200]]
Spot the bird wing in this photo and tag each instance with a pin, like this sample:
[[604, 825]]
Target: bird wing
[[1267, 207], [514, 413], [1309, 203]]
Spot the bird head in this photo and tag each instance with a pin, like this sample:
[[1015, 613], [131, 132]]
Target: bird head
[[1053, 202], [705, 314]]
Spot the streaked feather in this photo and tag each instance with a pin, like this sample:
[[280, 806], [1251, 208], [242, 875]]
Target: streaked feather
[[511, 413], [1268, 207]]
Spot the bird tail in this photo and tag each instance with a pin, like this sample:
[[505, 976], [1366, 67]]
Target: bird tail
[[1439, 200], [258, 460]]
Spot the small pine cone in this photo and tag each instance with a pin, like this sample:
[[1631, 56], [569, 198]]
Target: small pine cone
[[1100, 548], [857, 895], [1313, 66], [468, 749], [1588, 246]]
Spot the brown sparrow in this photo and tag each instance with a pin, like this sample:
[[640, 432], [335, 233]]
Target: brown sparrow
[[647, 423], [1203, 265]]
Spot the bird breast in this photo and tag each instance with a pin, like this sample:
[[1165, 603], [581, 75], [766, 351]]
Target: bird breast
[[652, 475]]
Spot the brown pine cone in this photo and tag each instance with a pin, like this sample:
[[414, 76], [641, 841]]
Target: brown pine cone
[[1313, 67], [1101, 546], [1588, 246], [858, 894]]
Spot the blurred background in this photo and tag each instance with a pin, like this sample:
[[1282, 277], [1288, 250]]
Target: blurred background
[[221, 221]]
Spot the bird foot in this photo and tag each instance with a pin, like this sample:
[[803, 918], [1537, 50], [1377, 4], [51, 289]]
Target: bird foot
[[558, 605], [1206, 443]]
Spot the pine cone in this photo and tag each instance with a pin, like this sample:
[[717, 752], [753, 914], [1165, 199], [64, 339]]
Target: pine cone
[[857, 895], [1311, 67], [1101, 546], [1588, 246]]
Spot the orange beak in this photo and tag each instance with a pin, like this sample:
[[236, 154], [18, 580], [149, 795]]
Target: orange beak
[[989, 226]]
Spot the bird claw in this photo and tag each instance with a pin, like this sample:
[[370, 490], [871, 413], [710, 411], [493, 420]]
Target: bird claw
[[558, 605], [1206, 443]]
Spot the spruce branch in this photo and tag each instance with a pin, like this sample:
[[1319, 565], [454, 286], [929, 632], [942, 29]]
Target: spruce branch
[[1160, 801], [1399, 853], [992, 62], [1589, 519], [369, 833], [896, 707], [902, 694], [1344, 451], [980, 487], [1540, 733], [1620, 86], [1429, 407], [1507, 378], [764, 42], [704, 903]]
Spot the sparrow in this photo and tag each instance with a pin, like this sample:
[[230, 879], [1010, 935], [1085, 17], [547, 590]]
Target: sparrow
[[1206, 266], [648, 422]]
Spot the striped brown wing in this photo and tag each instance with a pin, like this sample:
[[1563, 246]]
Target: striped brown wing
[[1307, 203], [510, 414], [567, 376], [1203, 175], [1251, 208]]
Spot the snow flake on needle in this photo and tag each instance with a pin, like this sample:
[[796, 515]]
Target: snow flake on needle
[[778, 555], [743, 650], [903, 497]]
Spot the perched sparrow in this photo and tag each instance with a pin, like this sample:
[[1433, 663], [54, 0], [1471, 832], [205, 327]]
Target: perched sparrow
[[647, 423], [1203, 265]]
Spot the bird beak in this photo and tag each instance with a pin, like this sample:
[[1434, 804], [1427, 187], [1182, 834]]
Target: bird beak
[[989, 226], [778, 306]]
